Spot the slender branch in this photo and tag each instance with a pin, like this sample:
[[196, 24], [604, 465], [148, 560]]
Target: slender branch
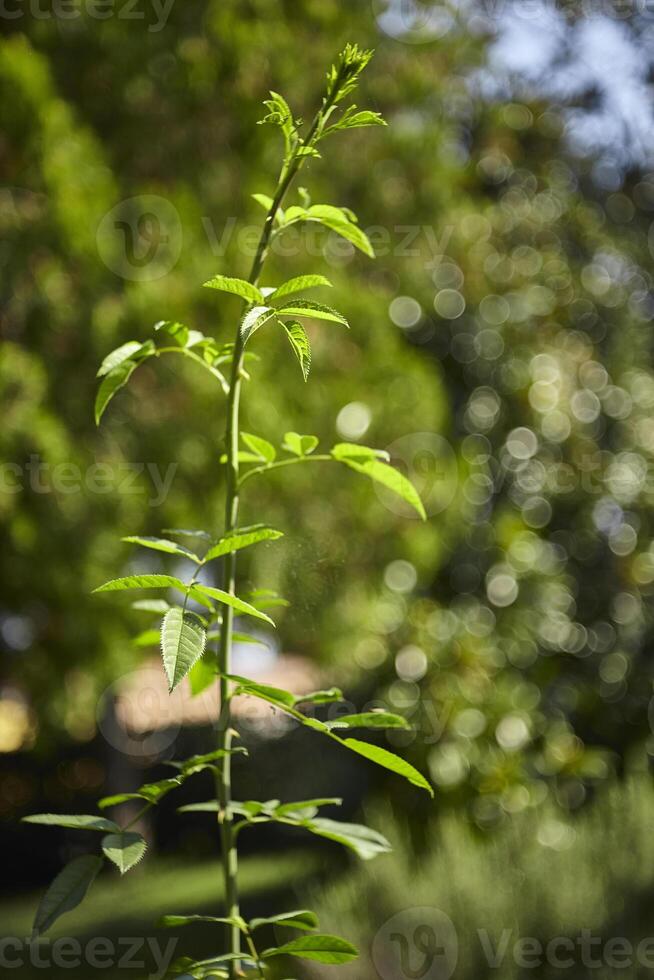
[[320, 458], [255, 954], [199, 360], [289, 170]]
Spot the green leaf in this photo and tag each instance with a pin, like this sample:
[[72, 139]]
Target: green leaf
[[66, 891], [279, 114], [111, 383], [299, 445], [72, 822], [210, 806], [336, 219], [148, 638], [351, 119], [350, 450], [183, 639], [239, 287], [117, 799], [365, 842], [279, 698], [210, 969], [306, 307], [184, 532], [125, 849], [320, 697], [178, 332], [202, 675], [262, 449], [300, 919], [265, 201], [131, 351], [142, 582], [370, 719], [161, 544], [231, 600], [389, 761], [242, 538], [266, 599], [150, 792], [151, 605], [254, 319], [305, 809], [322, 948], [198, 763], [299, 341], [175, 921], [238, 637], [275, 695], [389, 477], [298, 284]]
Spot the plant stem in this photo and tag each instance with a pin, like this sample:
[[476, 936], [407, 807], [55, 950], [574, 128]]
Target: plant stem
[[320, 458], [224, 780]]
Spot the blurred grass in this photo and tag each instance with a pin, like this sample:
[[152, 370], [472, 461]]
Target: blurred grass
[[162, 887], [542, 875]]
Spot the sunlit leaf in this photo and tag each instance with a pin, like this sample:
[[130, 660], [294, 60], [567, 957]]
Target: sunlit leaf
[[80, 821], [142, 582], [301, 919], [299, 445], [238, 287], [124, 849], [298, 284], [161, 544], [147, 638], [264, 200], [175, 921], [202, 675], [262, 449], [389, 761], [299, 341], [131, 351], [306, 307], [242, 538], [178, 332], [390, 477], [351, 119], [322, 948], [152, 606], [369, 719], [365, 842], [183, 639], [350, 450], [254, 319], [231, 600], [111, 383]]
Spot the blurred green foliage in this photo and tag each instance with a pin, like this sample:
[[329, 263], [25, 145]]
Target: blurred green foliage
[[500, 349], [540, 897]]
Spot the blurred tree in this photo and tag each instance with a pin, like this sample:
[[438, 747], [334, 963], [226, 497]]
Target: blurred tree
[[509, 332]]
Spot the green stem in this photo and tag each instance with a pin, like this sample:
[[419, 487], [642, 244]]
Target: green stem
[[224, 778], [198, 360], [320, 458]]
